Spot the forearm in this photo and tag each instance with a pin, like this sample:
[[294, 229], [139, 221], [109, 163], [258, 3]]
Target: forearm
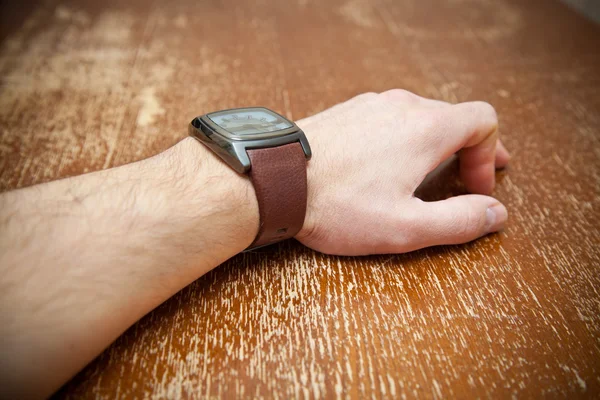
[[84, 258]]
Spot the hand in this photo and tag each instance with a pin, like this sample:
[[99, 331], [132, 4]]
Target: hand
[[372, 152]]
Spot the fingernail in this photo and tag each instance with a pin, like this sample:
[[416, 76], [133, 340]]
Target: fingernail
[[496, 216]]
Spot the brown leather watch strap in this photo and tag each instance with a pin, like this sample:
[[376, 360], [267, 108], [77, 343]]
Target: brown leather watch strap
[[279, 178]]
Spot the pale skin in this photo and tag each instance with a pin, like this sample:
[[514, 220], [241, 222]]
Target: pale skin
[[83, 258]]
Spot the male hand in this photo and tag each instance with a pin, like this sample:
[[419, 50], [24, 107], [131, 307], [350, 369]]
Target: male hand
[[371, 153], [83, 258]]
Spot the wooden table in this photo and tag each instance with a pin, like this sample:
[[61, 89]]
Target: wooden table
[[88, 85]]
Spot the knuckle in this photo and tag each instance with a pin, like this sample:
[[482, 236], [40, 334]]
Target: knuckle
[[486, 110], [365, 97], [399, 95], [472, 223]]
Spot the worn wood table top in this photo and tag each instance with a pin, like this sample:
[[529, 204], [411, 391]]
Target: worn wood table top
[[87, 85]]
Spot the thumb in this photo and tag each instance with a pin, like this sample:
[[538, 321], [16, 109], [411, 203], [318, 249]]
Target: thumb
[[459, 219]]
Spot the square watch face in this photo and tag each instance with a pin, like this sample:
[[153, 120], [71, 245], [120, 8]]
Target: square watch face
[[249, 121]]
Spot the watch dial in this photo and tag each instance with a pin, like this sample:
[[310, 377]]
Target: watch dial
[[249, 121]]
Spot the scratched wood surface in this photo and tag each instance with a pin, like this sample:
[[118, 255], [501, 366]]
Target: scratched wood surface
[[87, 85]]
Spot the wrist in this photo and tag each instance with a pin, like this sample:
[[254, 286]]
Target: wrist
[[311, 179], [206, 193]]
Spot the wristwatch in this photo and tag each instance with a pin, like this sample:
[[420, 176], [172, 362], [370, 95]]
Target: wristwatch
[[273, 152]]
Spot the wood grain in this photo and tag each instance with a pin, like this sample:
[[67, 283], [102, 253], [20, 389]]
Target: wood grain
[[89, 85]]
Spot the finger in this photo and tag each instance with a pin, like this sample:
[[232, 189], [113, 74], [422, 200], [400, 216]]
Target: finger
[[457, 219], [502, 155], [477, 166], [471, 130]]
